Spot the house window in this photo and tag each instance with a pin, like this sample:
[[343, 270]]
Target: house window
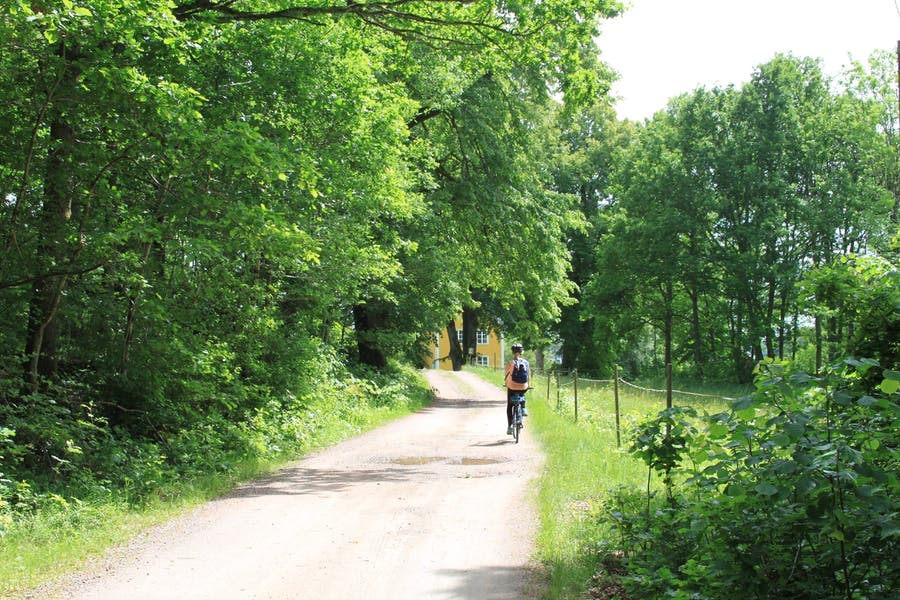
[[481, 336], [481, 360]]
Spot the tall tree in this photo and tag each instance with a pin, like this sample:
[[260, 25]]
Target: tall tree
[[591, 141], [755, 186]]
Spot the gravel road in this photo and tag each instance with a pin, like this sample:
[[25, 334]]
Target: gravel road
[[436, 505]]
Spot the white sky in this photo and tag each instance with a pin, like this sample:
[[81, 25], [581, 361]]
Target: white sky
[[662, 48]]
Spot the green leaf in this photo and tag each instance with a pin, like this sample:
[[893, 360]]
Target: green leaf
[[805, 484], [735, 490], [717, 431], [866, 491], [786, 467], [867, 401], [766, 489], [782, 439], [843, 397], [871, 444], [746, 414], [742, 403], [800, 378], [795, 430], [890, 386]]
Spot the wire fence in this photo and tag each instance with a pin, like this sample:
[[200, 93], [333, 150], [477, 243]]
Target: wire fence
[[599, 398]]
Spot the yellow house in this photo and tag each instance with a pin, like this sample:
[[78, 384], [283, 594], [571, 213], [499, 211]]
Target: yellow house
[[488, 349]]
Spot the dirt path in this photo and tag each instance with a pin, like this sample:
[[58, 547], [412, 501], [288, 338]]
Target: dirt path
[[435, 505]]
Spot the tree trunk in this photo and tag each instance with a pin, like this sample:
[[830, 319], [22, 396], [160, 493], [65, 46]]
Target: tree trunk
[[470, 331], [818, 345], [456, 352], [668, 325], [43, 333], [539, 360], [795, 326], [54, 253], [370, 320], [743, 364], [770, 319], [53, 257], [782, 324], [696, 331]]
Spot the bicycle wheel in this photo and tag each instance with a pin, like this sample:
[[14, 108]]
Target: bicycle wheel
[[517, 425]]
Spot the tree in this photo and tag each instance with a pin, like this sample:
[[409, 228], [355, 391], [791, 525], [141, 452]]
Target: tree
[[649, 246], [332, 161], [591, 142], [745, 190]]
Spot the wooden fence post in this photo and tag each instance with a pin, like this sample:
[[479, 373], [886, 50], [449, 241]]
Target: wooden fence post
[[616, 396], [668, 393], [557, 391], [575, 385], [549, 375]]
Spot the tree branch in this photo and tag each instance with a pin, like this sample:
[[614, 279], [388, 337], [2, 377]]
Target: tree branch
[[375, 13], [61, 273], [423, 116]]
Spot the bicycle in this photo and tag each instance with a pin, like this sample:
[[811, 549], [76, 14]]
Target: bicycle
[[518, 402]]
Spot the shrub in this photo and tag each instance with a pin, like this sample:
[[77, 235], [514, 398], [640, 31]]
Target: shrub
[[797, 494]]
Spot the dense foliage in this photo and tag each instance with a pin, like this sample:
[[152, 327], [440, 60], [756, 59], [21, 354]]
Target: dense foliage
[[214, 211], [793, 493], [705, 219], [224, 224]]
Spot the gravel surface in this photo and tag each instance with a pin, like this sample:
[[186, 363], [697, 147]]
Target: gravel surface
[[437, 505]]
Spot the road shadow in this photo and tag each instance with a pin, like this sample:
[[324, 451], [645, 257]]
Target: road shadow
[[494, 583], [462, 403], [502, 442], [301, 481]]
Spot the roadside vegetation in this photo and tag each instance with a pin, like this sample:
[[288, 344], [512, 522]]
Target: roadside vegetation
[[789, 490], [213, 259], [51, 526], [583, 468]]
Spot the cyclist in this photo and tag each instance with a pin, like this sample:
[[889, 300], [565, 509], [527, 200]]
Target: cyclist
[[517, 369]]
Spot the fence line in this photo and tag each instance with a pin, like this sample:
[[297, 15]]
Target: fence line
[[644, 389], [595, 380], [615, 381], [674, 391]]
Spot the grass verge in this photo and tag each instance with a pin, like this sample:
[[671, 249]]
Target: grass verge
[[583, 464]]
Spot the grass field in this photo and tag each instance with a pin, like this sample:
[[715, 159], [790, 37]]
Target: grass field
[[584, 462]]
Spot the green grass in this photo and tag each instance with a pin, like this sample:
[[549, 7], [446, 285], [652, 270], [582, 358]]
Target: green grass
[[584, 463], [41, 548]]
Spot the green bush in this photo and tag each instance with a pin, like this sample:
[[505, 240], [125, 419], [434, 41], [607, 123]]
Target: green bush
[[57, 444], [792, 493]]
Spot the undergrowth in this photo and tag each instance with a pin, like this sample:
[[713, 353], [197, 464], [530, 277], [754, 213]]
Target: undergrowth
[[105, 486], [788, 491]]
